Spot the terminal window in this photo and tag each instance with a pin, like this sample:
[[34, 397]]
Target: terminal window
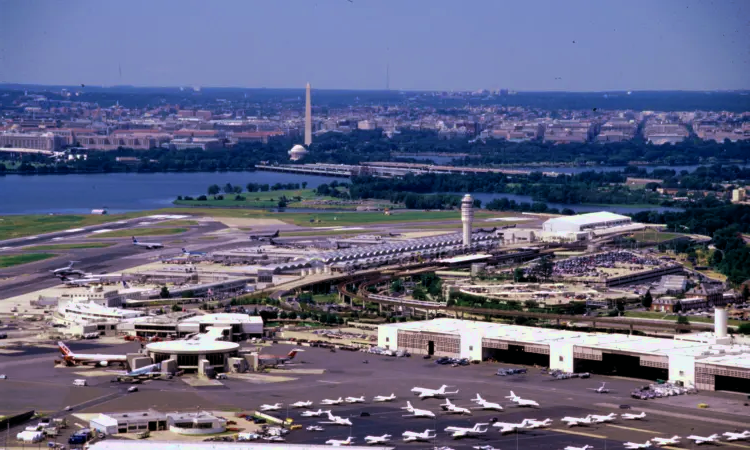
[[561, 358]]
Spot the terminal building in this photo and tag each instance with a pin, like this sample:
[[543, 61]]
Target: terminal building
[[707, 361], [202, 353], [235, 327]]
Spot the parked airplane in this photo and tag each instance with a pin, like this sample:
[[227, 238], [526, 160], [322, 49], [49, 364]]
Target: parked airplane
[[314, 428], [328, 401], [485, 447], [449, 407], [627, 416], [73, 359], [417, 412], [273, 360], [577, 421], [703, 439], [339, 443], [737, 436], [509, 427], [337, 420], [602, 419], [355, 399], [274, 407], [585, 447], [633, 445], [484, 404], [382, 398], [317, 413], [302, 404], [192, 253], [148, 245], [478, 429], [413, 436], [372, 440], [145, 370], [520, 401], [601, 389], [433, 393], [86, 280], [264, 237], [67, 270], [534, 424], [666, 441]]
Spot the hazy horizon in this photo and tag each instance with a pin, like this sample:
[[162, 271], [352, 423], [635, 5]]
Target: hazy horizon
[[437, 45]]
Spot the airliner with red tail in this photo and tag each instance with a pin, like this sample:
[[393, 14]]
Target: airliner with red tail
[[271, 360], [74, 359]]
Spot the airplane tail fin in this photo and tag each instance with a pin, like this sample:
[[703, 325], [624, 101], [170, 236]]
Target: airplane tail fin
[[408, 405], [184, 251], [292, 354], [64, 348], [135, 241]]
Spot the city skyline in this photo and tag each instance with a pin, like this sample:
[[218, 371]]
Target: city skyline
[[536, 46]]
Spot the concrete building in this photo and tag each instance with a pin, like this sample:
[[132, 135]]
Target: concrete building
[[195, 423], [586, 222], [203, 143], [467, 217], [200, 354], [239, 326], [129, 422], [37, 141], [739, 195]]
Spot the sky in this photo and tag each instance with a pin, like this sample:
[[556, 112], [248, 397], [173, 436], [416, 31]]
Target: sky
[[524, 45]]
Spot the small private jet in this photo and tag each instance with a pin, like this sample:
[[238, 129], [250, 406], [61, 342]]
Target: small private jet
[[337, 420], [301, 404], [484, 447], [601, 389], [328, 401], [627, 416], [603, 419], [674, 440], [450, 408], [340, 443], [737, 436], [509, 427], [73, 359], [413, 436], [534, 424], [433, 393], [520, 401], [373, 440], [274, 407], [314, 428], [635, 445], [577, 421], [417, 412], [384, 398], [317, 413], [355, 399], [147, 245], [478, 429], [698, 440], [585, 447], [484, 404]]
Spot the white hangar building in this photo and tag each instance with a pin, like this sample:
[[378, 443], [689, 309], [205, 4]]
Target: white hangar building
[[707, 362], [586, 222]]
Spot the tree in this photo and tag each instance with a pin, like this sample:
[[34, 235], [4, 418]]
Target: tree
[[214, 189], [282, 202], [397, 286], [518, 275], [647, 300], [677, 307], [164, 293], [620, 306], [682, 320], [304, 185], [228, 188], [419, 293], [176, 308], [292, 315], [744, 328], [545, 268]]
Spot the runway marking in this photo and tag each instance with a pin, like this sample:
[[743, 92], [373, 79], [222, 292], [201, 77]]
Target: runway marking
[[634, 429], [579, 433]]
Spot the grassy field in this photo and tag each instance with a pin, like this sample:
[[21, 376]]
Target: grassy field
[[53, 247], [138, 232], [654, 236], [20, 226], [268, 199], [15, 260]]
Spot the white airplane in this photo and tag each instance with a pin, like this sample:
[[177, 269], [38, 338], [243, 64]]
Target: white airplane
[[520, 401], [314, 428], [418, 412], [317, 413], [339, 443], [73, 359], [485, 447], [372, 440], [534, 424], [301, 404], [355, 399], [484, 404], [478, 429], [328, 401], [433, 393], [509, 427], [87, 280], [274, 407], [601, 389], [67, 270], [449, 407], [189, 253], [703, 439], [585, 447], [577, 421], [633, 445], [666, 441], [148, 245], [145, 370], [337, 420], [737, 436], [602, 419], [383, 398], [627, 416], [413, 436]]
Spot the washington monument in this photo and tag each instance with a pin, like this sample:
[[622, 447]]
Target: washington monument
[[308, 117]]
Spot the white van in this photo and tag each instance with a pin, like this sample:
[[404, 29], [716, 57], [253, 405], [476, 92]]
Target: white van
[[80, 383]]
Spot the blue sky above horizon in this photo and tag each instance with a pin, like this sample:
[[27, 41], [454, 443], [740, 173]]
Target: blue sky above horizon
[[530, 45]]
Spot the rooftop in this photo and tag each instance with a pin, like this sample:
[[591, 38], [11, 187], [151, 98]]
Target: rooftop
[[594, 217], [224, 318]]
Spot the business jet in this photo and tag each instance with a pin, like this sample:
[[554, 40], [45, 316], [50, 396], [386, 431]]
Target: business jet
[[264, 236], [602, 419], [301, 404], [418, 412], [484, 404], [534, 424], [147, 245], [666, 441], [317, 413], [627, 416], [189, 253], [274, 407], [520, 401], [509, 427], [737, 436], [703, 439], [314, 428], [433, 393], [337, 420], [72, 359], [585, 447], [633, 445], [372, 440], [577, 421], [478, 429], [355, 399], [413, 436], [450, 408], [384, 398], [328, 401], [339, 443], [601, 389]]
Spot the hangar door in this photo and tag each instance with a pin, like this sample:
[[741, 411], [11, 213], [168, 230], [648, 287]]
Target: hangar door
[[515, 352], [622, 364], [711, 377], [428, 343]]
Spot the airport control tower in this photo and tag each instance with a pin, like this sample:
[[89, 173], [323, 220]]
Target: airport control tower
[[467, 216]]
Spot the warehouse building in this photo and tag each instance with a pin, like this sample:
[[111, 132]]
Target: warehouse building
[[586, 223], [699, 360]]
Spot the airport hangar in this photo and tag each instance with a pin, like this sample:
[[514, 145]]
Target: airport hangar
[[708, 361]]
